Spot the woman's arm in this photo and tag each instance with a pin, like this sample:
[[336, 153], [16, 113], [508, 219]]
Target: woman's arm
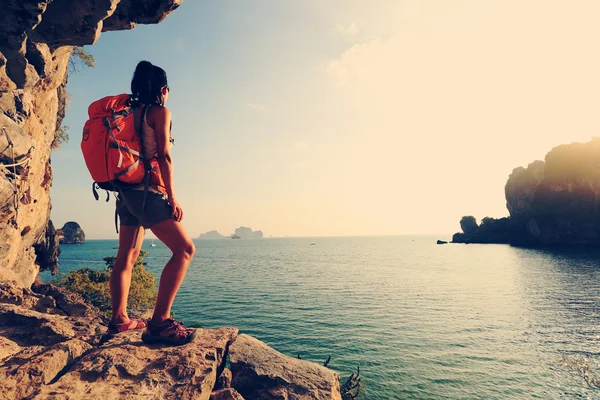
[[162, 129]]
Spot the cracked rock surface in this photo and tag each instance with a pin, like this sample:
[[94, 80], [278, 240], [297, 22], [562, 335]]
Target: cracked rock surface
[[53, 345]]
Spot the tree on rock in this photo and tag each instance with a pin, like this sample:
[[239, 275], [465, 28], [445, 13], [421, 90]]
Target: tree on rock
[[80, 58], [469, 226], [94, 285]]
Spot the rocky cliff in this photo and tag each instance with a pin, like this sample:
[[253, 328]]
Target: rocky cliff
[[52, 342], [551, 202], [36, 40], [71, 233], [53, 345], [520, 189]]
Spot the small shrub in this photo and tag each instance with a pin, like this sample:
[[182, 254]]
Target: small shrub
[[469, 226], [61, 136], [81, 58], [94, 285], [352, 388], [583, 367], [487, 221]]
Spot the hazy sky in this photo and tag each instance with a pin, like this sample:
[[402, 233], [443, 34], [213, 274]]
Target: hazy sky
[[347, 117]]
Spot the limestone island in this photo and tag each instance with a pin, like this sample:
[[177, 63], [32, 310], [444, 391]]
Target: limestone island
[[71, 233], [211, 235], [240, 233], [246, 233], [550, 203]]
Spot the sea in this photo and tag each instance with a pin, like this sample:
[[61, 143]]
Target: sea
[[421, 320]]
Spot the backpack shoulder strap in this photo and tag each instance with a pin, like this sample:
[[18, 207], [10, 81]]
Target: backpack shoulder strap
[[139, 116], [147, 166]]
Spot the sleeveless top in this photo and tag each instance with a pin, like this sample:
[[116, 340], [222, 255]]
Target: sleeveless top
[[150, 146]]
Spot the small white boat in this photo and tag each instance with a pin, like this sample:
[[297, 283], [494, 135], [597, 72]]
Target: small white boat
[[153, 244]]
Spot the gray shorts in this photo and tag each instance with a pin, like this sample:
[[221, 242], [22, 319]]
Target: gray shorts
[[129, 208]]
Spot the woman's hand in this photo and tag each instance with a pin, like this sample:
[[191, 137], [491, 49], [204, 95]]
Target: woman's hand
[[177, 212]]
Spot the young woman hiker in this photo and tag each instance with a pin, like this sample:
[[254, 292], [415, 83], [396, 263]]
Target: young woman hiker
[[156, 209]]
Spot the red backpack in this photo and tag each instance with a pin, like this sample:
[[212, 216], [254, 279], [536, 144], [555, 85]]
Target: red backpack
[[112, 146]]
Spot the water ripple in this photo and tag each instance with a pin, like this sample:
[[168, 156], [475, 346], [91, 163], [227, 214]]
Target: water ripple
[[423, 321]]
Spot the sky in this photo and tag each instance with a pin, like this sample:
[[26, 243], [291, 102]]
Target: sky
[[347, 117]]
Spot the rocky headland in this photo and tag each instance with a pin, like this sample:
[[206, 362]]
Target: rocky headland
[[53, 345], [551, 202], [71, 233]]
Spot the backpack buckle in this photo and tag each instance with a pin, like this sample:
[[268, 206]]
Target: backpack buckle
[[95, 191]]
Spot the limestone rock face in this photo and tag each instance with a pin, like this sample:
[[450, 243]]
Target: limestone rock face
[[224, 380], [551, 202], [557, 202], [566, 203], [48, 315], [71, 233], [259, 372], [23, 376], [8, 348], [53, 345], [491, 230], [36, 40], [520, 189], [184, 372], [41, 335], [226, 394], [47, 250]]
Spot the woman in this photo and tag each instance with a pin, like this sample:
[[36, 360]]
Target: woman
[[160, 212]]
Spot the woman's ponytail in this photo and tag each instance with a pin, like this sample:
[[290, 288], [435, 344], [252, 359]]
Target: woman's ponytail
[[147, 82]]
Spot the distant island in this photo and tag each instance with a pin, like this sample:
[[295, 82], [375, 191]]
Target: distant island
[[70, 233], [551, 202], [211, 235], [247, 233], [240, 233]]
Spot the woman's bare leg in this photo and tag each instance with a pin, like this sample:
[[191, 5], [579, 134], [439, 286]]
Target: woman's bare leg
[[120, 278], [172, 234]]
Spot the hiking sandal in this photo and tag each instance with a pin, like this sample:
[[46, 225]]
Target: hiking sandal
[[169, 332], [126, 326]]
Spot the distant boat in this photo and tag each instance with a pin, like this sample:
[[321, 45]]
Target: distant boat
[[153, 244], [312, 244], [235, 237]]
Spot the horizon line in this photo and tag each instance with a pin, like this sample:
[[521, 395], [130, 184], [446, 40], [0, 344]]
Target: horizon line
[[302, 237]]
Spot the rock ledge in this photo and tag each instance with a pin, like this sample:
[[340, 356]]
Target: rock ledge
[[53, 345]]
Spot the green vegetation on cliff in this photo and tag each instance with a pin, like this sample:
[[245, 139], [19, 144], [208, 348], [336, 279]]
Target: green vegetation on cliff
[[80, 58], [94, 285]]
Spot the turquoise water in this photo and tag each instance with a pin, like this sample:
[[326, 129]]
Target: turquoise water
[[423, 321]]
